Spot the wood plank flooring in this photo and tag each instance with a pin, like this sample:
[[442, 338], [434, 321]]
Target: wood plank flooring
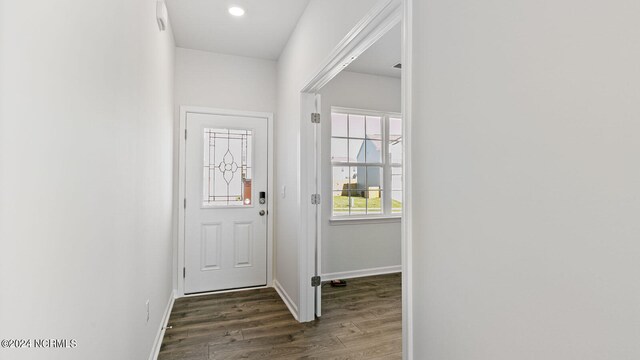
[[360, 321]]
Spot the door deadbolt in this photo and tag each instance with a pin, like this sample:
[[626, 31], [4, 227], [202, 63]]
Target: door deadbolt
[[262, 212]]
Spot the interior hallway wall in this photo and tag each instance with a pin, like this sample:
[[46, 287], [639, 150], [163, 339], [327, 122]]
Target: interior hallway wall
[[223, 82], [86, 119], [526, 180], [356, 247], [308, 46]]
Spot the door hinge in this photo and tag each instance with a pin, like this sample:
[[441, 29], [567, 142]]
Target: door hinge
[[316, 281], [315, 199], [185, 203], [185, 134], [184, 272], [315, 118]]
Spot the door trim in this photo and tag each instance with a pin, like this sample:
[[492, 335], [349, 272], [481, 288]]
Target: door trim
[[378, 21], [407, 219], [386, 14], [184, 110]]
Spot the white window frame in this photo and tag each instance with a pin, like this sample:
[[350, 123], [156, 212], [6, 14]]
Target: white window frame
[[387, 214]]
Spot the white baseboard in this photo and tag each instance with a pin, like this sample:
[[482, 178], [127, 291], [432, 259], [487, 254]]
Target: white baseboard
[[286, 299], [362, 273], [155, 350]]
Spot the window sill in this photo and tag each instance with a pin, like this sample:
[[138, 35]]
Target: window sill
[[364, 220]]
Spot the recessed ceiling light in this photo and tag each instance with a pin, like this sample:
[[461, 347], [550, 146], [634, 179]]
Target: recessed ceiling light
[[236, 11]]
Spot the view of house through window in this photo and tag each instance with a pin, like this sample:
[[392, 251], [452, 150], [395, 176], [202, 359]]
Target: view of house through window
[[366, 160]]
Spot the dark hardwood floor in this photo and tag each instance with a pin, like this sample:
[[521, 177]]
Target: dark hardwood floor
[[359, 321]]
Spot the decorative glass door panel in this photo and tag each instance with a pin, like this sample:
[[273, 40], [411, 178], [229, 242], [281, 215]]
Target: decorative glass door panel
[[227, 178]]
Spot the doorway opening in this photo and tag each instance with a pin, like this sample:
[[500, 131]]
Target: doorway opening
[[354, 131]]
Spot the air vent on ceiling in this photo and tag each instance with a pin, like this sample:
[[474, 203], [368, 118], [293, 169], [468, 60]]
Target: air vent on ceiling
[[398, 66]]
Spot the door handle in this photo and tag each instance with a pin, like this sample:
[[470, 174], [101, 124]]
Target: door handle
[[262, 212]]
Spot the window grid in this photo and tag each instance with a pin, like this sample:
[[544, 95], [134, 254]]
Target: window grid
[[368, 185]]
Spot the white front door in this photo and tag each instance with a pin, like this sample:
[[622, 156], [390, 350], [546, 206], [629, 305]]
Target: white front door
[[225, 212]]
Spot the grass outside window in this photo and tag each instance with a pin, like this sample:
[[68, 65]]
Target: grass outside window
[[359, 205]]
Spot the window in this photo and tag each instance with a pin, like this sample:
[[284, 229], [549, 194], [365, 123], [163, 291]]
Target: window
[[227, 167], [366, 161]]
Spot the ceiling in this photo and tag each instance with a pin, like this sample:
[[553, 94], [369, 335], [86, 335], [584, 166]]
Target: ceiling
[[380, 58], [262, 32]]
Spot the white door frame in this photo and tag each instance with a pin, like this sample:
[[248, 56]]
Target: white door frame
[[374, 25], [184, 110]]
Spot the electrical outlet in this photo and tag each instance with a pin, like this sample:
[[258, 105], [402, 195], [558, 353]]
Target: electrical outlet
[[148, 312]]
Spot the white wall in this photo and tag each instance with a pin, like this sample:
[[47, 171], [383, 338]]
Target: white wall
[[86, 97], [525, 132], [307, 48], [223, 82], [356, 247]]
